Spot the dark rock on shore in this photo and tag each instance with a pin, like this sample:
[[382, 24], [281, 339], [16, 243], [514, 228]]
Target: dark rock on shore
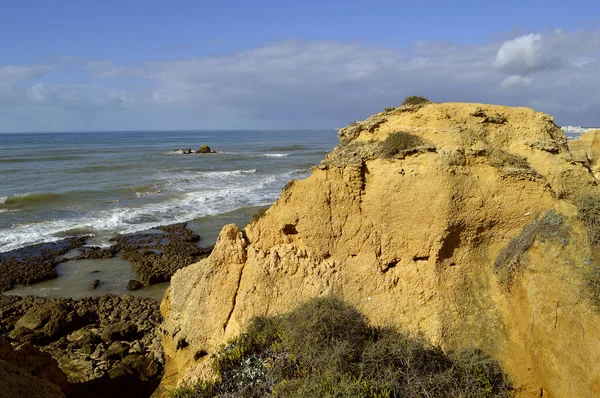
[[34, 263], [96, 253], [36, 371], [134, 285], [156, 256], [106, 346]]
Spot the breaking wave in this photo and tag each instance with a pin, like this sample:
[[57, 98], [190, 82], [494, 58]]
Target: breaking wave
[[181, 208]]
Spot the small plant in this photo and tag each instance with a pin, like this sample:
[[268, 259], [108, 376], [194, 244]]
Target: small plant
[[288, 185], [390, 109], [588, 208], [415, 100], [259, 214], [502, 159], [398, 142]]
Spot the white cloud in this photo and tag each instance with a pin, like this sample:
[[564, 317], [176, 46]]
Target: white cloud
[[323, 83], [517, 81], [12, 74]]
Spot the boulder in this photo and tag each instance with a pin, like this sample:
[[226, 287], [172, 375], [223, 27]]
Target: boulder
[[186, 151], [204, 149], [17, 383], [35, 363], [413, 240], [134, 285]]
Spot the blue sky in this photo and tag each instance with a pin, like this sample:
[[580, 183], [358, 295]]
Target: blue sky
[[129, 65]]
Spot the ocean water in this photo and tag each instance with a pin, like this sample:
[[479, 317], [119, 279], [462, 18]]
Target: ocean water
[[54, 185]]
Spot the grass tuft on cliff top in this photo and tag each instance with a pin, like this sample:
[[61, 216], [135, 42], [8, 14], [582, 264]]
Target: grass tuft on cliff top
[[415, 100], [325, 348]]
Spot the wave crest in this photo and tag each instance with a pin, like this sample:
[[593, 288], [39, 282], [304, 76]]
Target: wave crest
[[29, 200]]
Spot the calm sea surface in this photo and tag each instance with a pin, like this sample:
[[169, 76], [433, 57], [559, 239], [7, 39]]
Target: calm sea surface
[[54, 185]]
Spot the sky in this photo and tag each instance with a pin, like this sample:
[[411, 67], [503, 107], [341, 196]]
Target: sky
[[85, 65]]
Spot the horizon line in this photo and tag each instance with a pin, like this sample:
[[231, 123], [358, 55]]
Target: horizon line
[[163, 130]]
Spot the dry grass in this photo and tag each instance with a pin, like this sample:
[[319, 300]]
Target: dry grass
[[588, 208], [509, 262]]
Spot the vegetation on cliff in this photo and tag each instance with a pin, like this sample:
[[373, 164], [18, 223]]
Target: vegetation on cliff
[[325, 348], [588, 209]]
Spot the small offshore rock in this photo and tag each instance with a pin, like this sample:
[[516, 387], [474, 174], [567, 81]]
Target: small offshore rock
[[95, 284], [186, 151], [134, 285], [204, 149]]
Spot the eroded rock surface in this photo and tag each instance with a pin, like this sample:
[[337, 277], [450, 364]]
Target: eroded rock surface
[[105, 346], [412, 242]]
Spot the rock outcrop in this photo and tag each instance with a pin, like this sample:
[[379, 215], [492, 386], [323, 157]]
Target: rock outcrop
[[465, 231], [586, 150], [92, 347], [29, 372]]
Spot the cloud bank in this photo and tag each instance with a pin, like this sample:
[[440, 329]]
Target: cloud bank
[[297, 84]]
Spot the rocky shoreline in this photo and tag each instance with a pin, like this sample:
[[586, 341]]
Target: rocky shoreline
[[98, 347], [154, 255], [93, 346]]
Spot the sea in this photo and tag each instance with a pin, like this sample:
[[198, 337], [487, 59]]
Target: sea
[[56, 185]]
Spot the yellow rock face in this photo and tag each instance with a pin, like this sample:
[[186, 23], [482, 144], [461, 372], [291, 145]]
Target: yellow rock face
[[411, 241], [586, 150]]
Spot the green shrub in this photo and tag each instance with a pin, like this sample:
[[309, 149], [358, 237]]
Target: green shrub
[[398, 142], [325, 348], [415, 100], [390, 109]]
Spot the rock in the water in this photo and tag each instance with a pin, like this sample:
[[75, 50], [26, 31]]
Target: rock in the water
[[156, 256], [134, 285], [95, 284], [186, 151], [204, 149]]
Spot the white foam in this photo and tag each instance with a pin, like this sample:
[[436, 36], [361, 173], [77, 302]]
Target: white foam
[[3, 199], [219, 198], [275, 155], [192, 180]]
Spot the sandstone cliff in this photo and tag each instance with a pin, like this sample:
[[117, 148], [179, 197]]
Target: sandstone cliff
[[586, 150], [435, 237]]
